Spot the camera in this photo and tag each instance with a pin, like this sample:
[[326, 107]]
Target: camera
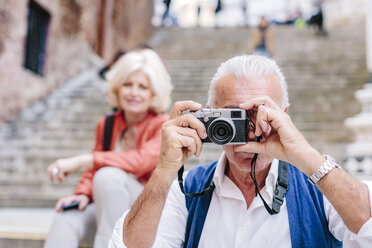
[[224, 126]]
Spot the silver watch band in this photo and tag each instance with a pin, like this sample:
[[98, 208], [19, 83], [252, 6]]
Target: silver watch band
[[323, 170]]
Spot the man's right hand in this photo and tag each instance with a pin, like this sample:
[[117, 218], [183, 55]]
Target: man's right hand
[[181, 137]]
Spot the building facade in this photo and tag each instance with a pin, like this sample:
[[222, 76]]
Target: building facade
[[43, 43]]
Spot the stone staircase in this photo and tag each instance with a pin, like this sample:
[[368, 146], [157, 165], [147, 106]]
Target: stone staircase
[[322, 75], [61, 125]]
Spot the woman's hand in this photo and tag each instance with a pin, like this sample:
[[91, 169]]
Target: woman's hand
[[82, 199], [281, 139], [59, 170]]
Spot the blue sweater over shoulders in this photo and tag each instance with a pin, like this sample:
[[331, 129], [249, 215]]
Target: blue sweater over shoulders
[[307, 221]]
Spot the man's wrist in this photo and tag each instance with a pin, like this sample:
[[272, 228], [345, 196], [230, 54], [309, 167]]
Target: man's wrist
[[165, 173], [310, 161]]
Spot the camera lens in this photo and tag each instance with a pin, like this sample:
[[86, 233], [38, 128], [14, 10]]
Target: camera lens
[[221, 131]]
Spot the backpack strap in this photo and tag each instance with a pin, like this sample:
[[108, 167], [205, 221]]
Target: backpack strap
[[107, 132]]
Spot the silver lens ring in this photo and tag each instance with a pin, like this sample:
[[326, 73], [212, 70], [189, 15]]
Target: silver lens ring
[[221, 131]]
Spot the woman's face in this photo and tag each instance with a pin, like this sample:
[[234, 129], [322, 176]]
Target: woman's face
[[135, 94]]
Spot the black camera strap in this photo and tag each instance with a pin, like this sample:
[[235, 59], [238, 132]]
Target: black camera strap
[[281, 186], [198, 194]]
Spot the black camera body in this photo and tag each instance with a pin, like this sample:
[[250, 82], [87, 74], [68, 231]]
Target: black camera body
[[224, 126]]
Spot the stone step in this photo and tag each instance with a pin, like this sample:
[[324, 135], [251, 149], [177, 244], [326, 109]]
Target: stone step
[[29, 143], [32, 200], [24, 227]]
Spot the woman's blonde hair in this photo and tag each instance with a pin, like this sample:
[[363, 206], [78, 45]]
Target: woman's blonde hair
[[148, 62]]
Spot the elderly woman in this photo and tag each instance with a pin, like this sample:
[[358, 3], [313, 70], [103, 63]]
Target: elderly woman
[[140, 87]]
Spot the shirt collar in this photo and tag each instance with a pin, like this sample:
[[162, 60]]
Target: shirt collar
[[225, 187]]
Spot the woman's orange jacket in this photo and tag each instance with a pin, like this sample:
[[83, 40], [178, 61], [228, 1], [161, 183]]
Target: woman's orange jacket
[[140, 161]]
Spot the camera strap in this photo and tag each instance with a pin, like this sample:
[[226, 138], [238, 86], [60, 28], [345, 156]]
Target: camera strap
[[198, 194], [281, 186]]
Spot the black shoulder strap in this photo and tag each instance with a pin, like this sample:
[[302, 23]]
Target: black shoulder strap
[[107, 132], [196, 194], [281, 188]]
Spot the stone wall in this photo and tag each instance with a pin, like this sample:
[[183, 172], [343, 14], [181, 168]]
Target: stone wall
[[70, 46], [134, 26], [340, 12]]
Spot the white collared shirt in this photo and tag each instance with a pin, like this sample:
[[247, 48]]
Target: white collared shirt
[[230, 224]]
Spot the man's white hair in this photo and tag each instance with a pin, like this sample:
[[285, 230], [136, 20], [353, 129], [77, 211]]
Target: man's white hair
[[247, 66]]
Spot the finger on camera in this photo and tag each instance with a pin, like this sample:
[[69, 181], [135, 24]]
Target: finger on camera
[[267, 130], [173, 140], [190, 145], [190, 121], [272, 116], [193, 134], [254, 103], [181, 106], [262, 123], [251, 135]]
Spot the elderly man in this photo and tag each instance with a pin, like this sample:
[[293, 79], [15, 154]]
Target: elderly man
[[247, 200]]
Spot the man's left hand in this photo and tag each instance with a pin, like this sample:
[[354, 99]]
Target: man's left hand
[[282, 140]]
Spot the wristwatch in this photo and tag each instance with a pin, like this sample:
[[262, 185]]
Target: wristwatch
[[323, 170]]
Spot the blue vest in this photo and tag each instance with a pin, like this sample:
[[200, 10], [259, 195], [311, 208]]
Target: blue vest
[[307, 221]]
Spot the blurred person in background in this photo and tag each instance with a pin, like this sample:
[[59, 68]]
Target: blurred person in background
[[244, 11], [124, 157], [166, 11], [218, 7], [317, 19], [262, 42]]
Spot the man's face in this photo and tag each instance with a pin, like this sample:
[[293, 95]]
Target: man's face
[[232, 91]]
